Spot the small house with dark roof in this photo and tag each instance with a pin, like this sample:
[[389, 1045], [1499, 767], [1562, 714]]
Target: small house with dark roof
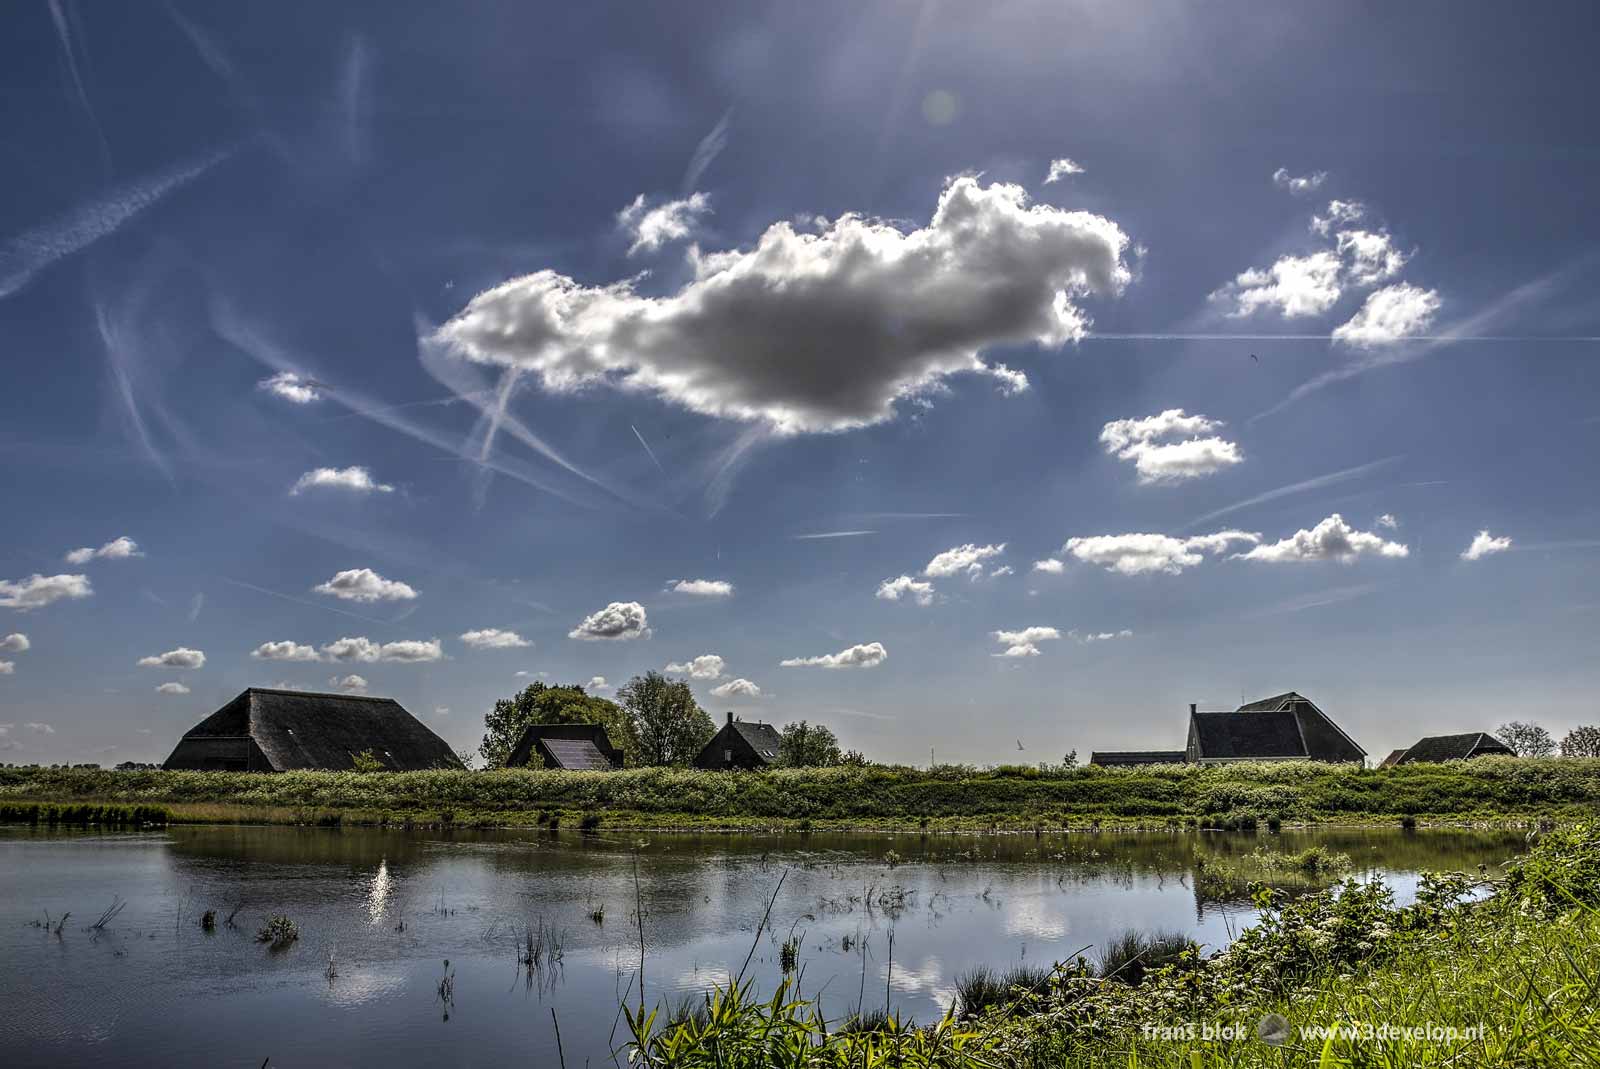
[[265, 730], [575, 747], [1116, 758], [746, 744], [1284, 727], [1455, 748]]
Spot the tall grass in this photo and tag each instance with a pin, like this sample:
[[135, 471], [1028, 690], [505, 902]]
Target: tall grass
[[1242, 795]]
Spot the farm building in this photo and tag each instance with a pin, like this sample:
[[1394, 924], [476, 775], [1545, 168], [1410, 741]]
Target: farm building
[[576, 747], [747, 744], [1285, 727], [1452, 748], [266, 730]]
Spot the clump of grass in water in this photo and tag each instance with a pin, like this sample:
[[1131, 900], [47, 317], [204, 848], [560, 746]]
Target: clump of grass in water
[[447, 989], [1131, 956], [278, 932], [208, 921], [982, 989], [598, 914]]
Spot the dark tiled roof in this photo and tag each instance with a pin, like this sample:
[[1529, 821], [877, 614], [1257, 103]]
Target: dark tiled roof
[[1244, 735], [570, 746], [1455, 747], [1277, 701], [298, 730], [763, 738], [1137, 757]]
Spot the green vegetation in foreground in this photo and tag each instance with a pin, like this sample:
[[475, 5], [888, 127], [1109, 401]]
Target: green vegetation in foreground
[[1510, 980], [1019, 797]]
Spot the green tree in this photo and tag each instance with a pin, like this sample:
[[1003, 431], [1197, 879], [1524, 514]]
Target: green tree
[[667, 724], [541, 704], [1526, 740], [367, 761], [804, 745], [1581, 742]]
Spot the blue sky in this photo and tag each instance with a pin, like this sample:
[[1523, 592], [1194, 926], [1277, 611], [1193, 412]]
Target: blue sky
[[1127, 358]]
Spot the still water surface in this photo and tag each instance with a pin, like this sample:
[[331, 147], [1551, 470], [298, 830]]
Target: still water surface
[[389, 907]]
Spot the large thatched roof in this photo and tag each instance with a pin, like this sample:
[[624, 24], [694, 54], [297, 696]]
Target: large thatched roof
[[265, 730]]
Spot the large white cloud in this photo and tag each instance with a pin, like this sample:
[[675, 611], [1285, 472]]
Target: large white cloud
[[355, 479], [1158, 460], [117, 549], [905, 586], [182, 657], [1293, 286], [1485, 544], [1389, 315], [1298, 184], [1142, 554], [16, 642], [618, 620], [705, 666], [365, 651], [702, 588], [364, 584], [815, 332], [865, 655], [652, 228], [1332, 539], [737, 688], [493, 638], [286, 650], [967, 559]]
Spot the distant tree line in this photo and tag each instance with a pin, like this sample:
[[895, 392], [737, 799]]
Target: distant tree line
[[1531, 740]]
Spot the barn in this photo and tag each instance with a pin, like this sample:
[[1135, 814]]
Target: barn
[[266, 730], [747, 744], [1453, 748], [576, 747]]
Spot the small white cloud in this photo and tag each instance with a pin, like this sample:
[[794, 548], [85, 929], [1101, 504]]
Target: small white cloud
[[1293, 286], [1389, 315], [117, 549], [355, 479], [182, 657], [966, 559], [364, 584], [1332, 539], [1299, 184], [1143, 554], [1484, 545], [1060, 169], [441, 710], [1021, 649], [7, 667], [286, 650], [1340, 212], [350, 684], [39, 729], [905, 586], [737, 688], [1370, 256], [493, 638], [365, 651], [1387, 520], [702, 588], [16, 642], [352, 649], [652, 228], [620, 620], [1049, 566], [1156, 461], [595, 685], [705, 666], [1024, 643], [290, 387], [1004, 569], [1010, 382], [172, 688], [865, 655], [1106, 636]]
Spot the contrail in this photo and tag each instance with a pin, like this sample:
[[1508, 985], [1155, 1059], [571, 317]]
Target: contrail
[[647, 449], [831, 534], [64, 33], [709, 148], [29, 253], [1573, 339], [302, 601], [1292, 488]]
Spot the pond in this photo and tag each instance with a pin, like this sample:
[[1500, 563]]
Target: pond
[[388, 907]]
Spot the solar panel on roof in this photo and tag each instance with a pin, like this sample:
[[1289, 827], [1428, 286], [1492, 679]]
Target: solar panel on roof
[[576, 754]]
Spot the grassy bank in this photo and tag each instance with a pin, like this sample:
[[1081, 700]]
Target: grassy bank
[[1452, 980], [1241, 795]]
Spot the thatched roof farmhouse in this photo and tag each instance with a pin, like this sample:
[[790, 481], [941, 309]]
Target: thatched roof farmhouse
[[265, 730], [1453, 748], [1284, 727]]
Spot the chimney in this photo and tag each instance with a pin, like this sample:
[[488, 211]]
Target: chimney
[[730, 716], [1191, 708]]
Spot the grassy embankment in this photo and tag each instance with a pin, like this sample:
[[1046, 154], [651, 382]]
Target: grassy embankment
[[945, 798], [1510, 980]]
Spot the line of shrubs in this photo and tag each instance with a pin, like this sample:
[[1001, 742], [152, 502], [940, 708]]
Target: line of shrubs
[[83, 814]]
